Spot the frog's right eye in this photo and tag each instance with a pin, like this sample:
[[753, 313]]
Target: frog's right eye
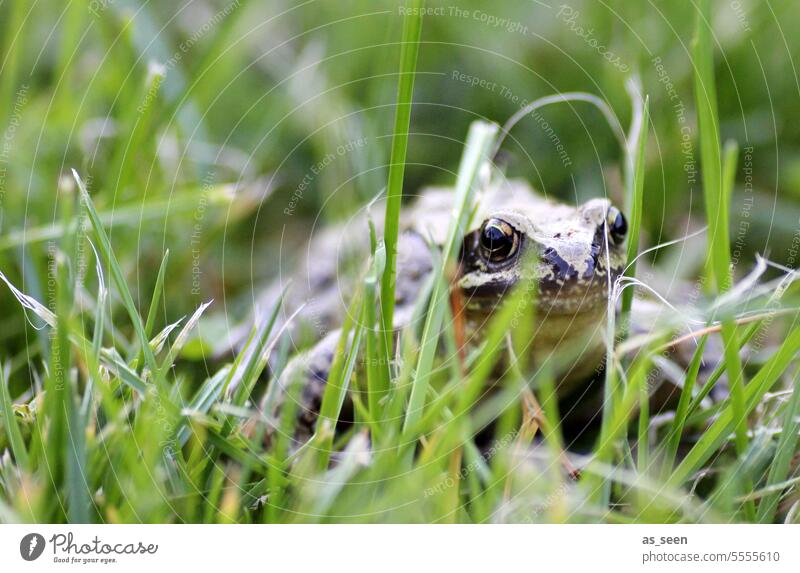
[[499, 241], [617, 225]]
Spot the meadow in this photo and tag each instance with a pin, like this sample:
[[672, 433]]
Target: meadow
[[163, 164]]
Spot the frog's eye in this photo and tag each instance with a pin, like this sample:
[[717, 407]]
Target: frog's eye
[[499, 240], [617, 225]]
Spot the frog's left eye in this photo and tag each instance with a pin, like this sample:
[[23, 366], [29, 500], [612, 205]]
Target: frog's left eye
[[617, 225], [499, 240]]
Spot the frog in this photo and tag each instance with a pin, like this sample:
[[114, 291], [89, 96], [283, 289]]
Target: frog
[[571, 256]]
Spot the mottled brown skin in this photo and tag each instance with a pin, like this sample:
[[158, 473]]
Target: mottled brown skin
[[570, 255]]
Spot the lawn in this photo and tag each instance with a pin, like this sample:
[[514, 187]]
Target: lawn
[[163, 166]]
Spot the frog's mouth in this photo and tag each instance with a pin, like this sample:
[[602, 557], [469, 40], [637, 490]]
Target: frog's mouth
[[552, 297]]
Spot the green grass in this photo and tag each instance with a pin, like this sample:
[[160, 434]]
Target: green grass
[[128, 254], [412, 29]]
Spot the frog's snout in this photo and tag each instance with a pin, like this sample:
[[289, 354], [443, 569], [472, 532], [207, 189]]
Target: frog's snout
[[570, 262]]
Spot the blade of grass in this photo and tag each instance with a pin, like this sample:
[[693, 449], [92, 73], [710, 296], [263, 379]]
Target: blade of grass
[[643, 435], [398, 391], [479, 142], [338, 381], [716, 197], [169, 411], [280, 447], [377, 355], [634, 176], [682, 410], [183, 336], [615, 426], [12, 48], [750, 331], [716, 435], [718, 260], [719, 371], [155, 299], [12, 427], [412, 29], [65, 397], [129, 214], [117, 365], [520, 302], [318, 499], [100, 316], [611, 393], [733, 362], [204, 399], [252, 360], [117, 274], [784, 453], [637, 143]]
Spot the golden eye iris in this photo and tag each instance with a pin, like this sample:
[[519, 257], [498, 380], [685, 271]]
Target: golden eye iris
[[499, 240]]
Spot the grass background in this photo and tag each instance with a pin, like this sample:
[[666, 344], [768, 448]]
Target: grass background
[[207, 140]]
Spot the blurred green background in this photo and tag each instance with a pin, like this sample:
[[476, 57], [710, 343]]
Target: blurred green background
[[229, 132]]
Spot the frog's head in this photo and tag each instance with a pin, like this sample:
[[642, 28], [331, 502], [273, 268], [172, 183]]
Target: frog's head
[[570, 253]]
